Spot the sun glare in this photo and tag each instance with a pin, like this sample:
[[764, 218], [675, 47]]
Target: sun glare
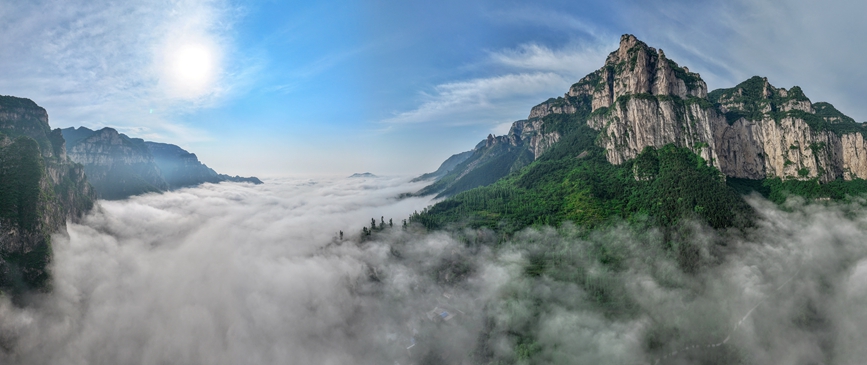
[[189, 69], [193, 64]]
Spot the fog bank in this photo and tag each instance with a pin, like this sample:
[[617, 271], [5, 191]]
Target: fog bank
[[235, 273]]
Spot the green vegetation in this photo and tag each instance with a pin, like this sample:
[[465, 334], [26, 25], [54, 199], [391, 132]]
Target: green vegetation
[[21, 208], [32, 204], [21, 171], [13, 102], [778, 190], [692, 80], [574, 182]]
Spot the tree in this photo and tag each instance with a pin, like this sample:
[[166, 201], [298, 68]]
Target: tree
[[372, 223], [341, 235], [390, 223]]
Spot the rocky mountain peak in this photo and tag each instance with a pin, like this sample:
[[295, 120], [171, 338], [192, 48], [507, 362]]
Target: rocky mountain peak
[[628, 44], [634, 69]]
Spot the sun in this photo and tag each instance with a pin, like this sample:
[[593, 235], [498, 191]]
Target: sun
[[193, 64], [189, 69]]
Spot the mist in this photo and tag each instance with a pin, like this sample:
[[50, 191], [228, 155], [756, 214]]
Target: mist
[[236, 273]]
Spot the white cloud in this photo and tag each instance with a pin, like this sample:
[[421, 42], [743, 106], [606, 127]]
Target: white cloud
[[572, 60], [479, 101], [533, 73], [236, 273]]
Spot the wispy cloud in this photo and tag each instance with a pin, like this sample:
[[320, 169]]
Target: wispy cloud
[[532, 73], [463, 102], [98, 63], [572, 60]]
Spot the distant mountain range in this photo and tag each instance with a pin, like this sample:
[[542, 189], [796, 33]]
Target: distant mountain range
[[363, 174], [119, 166]]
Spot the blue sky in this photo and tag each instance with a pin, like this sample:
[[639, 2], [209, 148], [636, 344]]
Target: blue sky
[[273, 88]]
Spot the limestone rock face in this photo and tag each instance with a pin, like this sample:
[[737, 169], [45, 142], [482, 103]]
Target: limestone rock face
[[551, 107], [773, 132], [531, 133], [642, 99], [636, 123], [853, 150]]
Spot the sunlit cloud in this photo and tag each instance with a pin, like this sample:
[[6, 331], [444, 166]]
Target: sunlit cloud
[[112, 64]]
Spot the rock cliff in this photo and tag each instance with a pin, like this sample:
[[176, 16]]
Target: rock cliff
[[768, 131], [40, 189], [116, 165]]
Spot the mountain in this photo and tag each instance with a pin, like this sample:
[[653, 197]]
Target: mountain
[[119, 166], [494, 158], [640, 99], [40, 189], [180, 168], [638, 137], [447, 166], [360, 175], [116, 165]]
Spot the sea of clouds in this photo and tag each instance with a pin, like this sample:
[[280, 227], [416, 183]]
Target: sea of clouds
[[244, 274]]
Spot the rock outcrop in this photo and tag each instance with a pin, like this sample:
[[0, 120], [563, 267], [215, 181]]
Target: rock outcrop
[[771, 132], [495, 157], [40, 190]]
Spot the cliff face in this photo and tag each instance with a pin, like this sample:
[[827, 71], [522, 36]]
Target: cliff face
[[40, 189], [778, 132], [119, 166], [116, 165], [640, 98]]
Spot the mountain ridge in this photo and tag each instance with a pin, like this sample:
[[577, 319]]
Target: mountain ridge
[[120, 166]]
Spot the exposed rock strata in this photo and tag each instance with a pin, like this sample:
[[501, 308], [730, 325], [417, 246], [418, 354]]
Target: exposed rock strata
[[640, 98]]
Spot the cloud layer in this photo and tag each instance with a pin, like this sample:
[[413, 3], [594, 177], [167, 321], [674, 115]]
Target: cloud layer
[[231, 273]]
